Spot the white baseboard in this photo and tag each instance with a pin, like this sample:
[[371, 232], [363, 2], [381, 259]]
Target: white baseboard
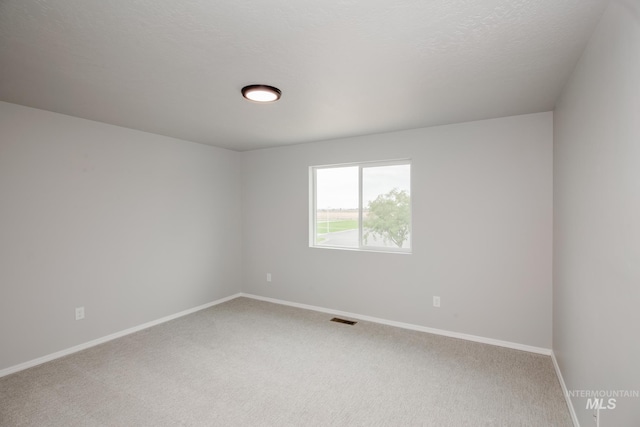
[[507, 344], [409, 326], [62, 353], [565, 392]]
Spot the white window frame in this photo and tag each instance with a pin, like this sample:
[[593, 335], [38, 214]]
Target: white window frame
[[360, 165]]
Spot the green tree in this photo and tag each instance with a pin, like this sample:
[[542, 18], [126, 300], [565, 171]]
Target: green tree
[[389, 217]]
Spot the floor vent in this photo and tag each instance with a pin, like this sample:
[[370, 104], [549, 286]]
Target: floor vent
[[348, 322]]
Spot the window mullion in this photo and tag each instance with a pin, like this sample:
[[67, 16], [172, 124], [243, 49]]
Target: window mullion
[[360, 245], [314, 208]]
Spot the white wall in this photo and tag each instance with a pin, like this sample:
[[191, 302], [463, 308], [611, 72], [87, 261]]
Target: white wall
[[596, 328], [482, 222], [130, 225]]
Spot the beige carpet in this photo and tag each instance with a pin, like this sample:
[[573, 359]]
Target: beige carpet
[[252, 363]]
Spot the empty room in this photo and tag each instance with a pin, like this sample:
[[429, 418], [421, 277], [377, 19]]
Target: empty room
[[341, 213]]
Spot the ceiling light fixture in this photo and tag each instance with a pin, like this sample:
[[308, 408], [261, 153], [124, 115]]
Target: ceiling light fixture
[[261, 93]]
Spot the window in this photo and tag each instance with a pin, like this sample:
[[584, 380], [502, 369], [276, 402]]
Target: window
[[361, 206]]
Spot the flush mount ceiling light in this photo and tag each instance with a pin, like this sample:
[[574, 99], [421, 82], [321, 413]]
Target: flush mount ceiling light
[[261, 93]]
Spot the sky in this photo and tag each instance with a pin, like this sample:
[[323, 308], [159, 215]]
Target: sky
[[337, 188]]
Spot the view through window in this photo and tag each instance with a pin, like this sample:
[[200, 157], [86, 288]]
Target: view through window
[[362, 206]]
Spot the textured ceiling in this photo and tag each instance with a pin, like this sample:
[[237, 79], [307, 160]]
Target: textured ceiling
[[345, 67]]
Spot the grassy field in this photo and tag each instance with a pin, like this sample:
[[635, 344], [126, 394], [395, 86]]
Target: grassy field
[[323, 227]]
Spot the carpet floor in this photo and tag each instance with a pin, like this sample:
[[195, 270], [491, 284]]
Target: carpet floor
[[253, 363]]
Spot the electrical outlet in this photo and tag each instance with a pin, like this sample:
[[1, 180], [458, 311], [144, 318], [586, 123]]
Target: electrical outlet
[[436, 301], [268, 277], [79, 313]]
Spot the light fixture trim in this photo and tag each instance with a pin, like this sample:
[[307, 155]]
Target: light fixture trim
[[261, 93]]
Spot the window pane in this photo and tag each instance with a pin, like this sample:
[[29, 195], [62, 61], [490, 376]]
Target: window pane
[[386, 204], [337, 207]]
